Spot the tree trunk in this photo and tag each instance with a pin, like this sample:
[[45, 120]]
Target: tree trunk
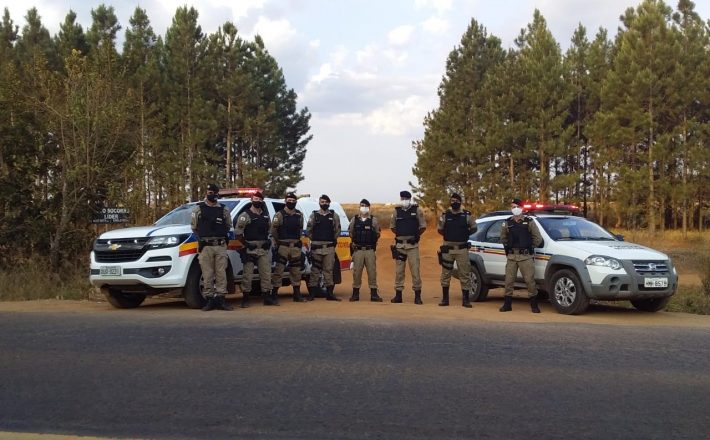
[[651, 189], [228, 166]]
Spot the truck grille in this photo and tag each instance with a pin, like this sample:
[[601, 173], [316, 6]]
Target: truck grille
[[650, 267], [119, 250]]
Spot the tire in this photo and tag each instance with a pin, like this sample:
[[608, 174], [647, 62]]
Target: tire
[[567, 294], [650, 304], [123, 300], [479, 290], [192, 292]]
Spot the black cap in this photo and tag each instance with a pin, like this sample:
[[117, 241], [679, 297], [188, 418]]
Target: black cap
[[324, 197], [517, 201], [365, 202], [456, 196], [258, 194], [213, 187], [290, 196], [405, 194]]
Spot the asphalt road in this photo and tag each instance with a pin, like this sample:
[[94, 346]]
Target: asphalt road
[[244, 375]]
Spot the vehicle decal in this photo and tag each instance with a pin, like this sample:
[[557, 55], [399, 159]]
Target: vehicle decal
[[187, 248], [156, 229], [478, 249], [234, 245]]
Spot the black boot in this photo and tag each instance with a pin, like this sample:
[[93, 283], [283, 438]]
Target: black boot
[[466, 302], [397, 297], [418, 297], [297, 294], [444, 296], [311, 293], [222, 303], [245, 300], [356, 294], [211, 305], [507, 304], [533, 305], [329, 294], [271, 299], [374, 297]]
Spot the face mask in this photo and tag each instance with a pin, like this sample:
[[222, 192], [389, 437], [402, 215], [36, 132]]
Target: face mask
[[212, 197], [324, 207], [291, 205], [364, 209], [257, 205], [517, 211], [406, 203], [455, 206]]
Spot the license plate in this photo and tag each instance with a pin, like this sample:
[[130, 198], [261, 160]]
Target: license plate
[[110, 271], [655, 282]]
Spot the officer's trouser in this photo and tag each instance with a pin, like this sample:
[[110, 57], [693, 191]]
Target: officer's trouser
[[462, 263], [323, 260], [260, 257], [412, 254], [213, 262], [526, 264], [364, 259], [290, 255]]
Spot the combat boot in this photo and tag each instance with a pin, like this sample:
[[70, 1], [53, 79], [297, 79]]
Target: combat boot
[[507, 304], [397, 297], [374, 297], [210, 305], [466, 302], [222, 303], [271, 299], [245, 300], [533, 305], [311, 293], [418, 297], [356, 294], [297, 294], [329, 294], [444, 296]]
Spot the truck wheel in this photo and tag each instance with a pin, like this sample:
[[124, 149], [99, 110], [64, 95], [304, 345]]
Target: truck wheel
[[479, 290], [192, 292], [123, 300], [567, 293], [650, 304]]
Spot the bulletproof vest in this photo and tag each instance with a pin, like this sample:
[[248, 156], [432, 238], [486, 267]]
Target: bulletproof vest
[[212, 222], [258, 227], [519, 234], [363, 233], [323, 226], [456, 226], [291, 225], [407, 222]]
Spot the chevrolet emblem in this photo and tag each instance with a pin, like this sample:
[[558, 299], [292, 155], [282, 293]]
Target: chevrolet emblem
[[113, 247]]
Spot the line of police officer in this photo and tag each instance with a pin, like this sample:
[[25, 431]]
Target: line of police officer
[[259, 235]]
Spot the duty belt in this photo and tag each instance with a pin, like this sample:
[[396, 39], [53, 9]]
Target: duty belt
[[289, 243], [521, 251], [407, 240], [213, 241], [254, 245], [322, 246], [455, 247], [363, 248]]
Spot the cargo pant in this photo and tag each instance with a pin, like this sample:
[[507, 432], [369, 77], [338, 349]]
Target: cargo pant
[[213, 262], [260, 257], [408, 254], [460, 256], [323, 260], [526, 264], [288, 254], [364, 259]]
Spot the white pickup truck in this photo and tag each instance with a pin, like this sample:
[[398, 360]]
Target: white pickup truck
[[131, 263]]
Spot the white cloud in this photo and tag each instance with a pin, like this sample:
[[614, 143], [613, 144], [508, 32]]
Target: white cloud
[[240, 8], [436, 25], [401, 35], [276, 33], [438, 5], [397, 117]]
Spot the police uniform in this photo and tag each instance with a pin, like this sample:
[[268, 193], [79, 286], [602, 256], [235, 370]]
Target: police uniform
[[211, 222], [456, 225], [323, 229], [519, 238], [286, 229], [407, 225], [364, 232], [254, 228]]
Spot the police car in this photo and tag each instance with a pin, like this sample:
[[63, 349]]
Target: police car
[[131, 263], [578, 261]]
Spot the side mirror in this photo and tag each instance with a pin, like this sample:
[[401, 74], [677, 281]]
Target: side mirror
[[619, 237]]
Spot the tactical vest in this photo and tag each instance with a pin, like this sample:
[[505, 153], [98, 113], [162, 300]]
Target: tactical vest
[[258, 227], [407, 222], [363, 233], [212, 222], [519, 234], [456, 226], [323, 226], [291, 224]]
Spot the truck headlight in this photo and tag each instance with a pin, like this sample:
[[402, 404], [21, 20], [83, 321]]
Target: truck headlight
[[600, 260], [166, 241]]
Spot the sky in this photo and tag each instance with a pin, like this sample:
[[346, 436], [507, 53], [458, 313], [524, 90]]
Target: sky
[[368, 70]]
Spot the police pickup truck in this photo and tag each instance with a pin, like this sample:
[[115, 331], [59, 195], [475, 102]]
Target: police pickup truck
[[578, 261], [161, 259]]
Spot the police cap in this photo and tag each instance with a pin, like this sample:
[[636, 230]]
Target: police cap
[[213, 187], [405, 194], [258, 194], [291, 195], [325, 197], [516, 201], [456, 196], [365, 202]]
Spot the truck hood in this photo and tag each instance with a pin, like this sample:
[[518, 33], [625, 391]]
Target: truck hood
[[147, 231], [616, 249]]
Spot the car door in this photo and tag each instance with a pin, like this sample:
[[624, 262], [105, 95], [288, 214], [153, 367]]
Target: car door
[[542, 256], [493, 253]]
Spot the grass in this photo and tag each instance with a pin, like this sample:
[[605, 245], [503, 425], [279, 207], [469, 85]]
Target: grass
[[32, 280], [690, 300]]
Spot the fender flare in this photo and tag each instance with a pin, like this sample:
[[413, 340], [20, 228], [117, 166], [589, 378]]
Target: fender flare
[[573, 263]]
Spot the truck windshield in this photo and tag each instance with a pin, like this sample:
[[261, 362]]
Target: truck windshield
[[182, 215], [574, 228]]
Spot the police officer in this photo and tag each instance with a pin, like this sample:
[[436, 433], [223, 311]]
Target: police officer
[[286, 228], [211, 222], [364, 232], [520, 236], [455, 225], [408, 224], [323, 229], [253, 231]]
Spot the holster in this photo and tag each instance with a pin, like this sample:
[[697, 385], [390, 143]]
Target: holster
[[393, 249], [440, 258]]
